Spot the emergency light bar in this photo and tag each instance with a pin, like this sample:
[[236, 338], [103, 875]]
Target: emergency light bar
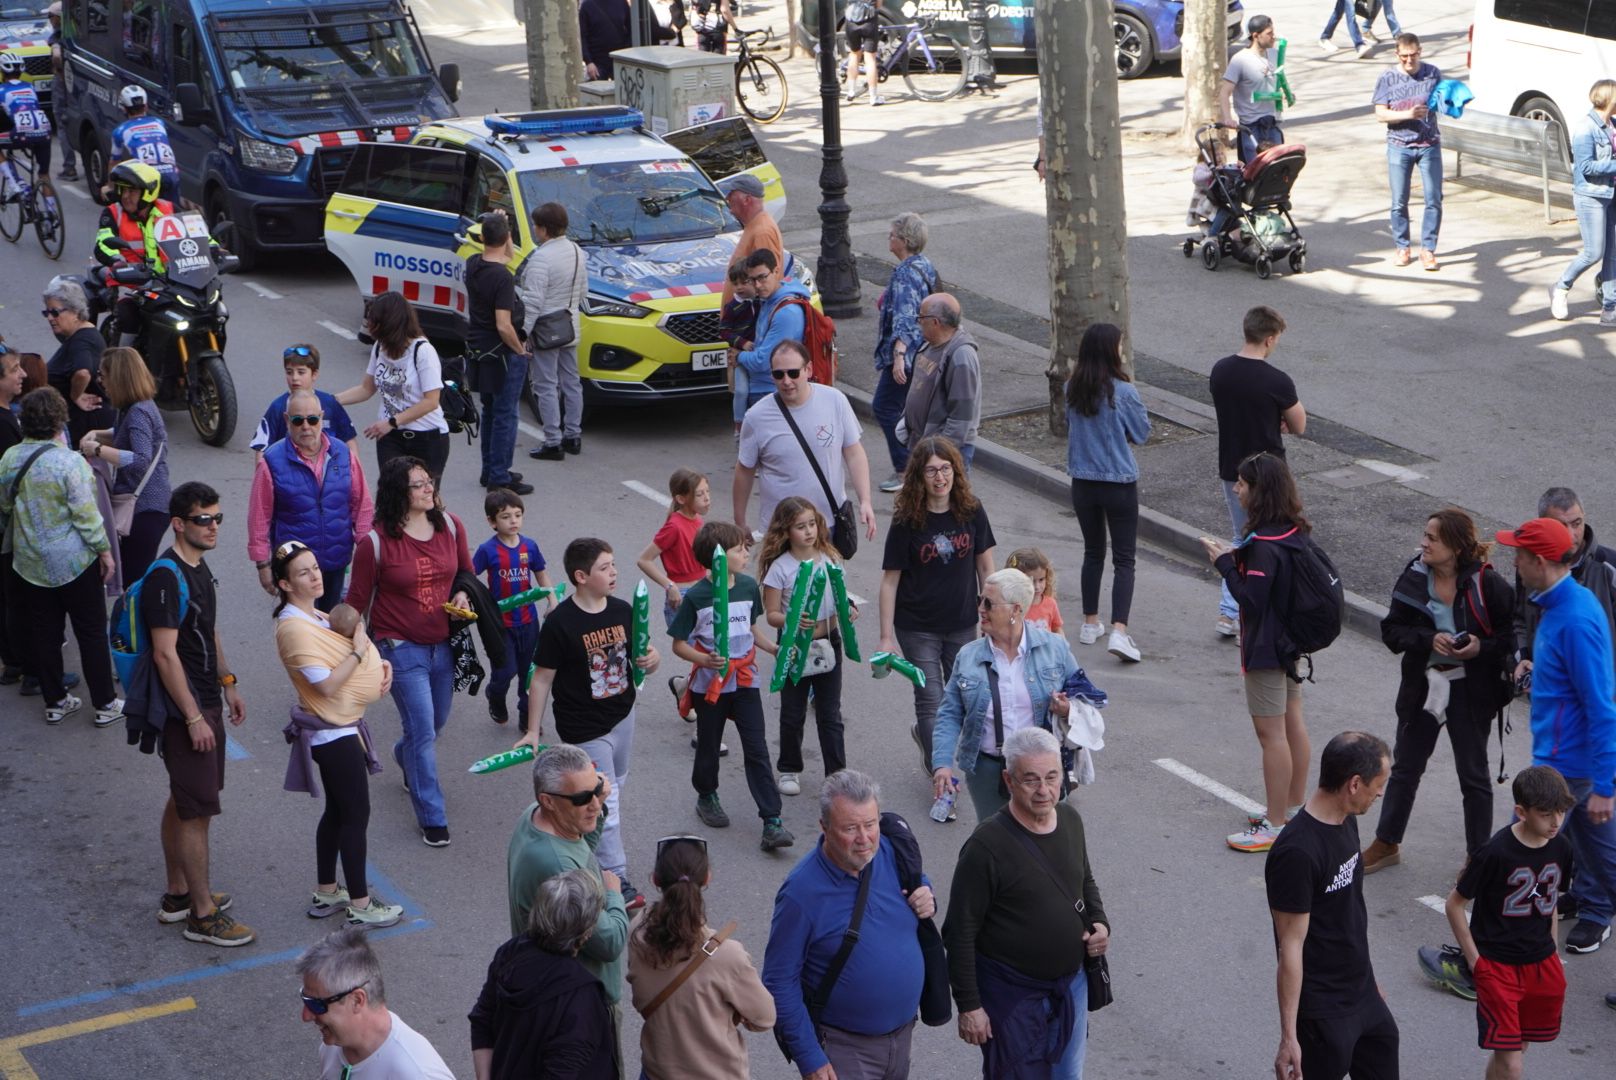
[[548, 124]]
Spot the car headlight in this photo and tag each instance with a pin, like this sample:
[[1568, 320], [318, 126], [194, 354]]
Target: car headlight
[[603, 305], [267, 157]]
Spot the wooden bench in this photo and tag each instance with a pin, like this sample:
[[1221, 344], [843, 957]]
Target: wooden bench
[[1534, 147]]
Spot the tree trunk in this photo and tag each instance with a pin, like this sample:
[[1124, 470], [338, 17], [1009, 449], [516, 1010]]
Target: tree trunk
[[555, 60], [791, 29], [1088, 227], [1206, 55]]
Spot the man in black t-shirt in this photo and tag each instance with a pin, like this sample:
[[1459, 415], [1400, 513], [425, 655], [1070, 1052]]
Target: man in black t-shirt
[[1333, 1020], [494, 319], [1256, 404], [186, 652], [583, 659]]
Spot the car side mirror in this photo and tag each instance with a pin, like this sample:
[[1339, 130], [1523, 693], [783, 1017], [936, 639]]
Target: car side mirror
[[449, 78], [190, 107]]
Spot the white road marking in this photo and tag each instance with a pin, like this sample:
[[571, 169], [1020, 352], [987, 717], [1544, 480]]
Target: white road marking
[[74, 189], [1396, 472], [1435, 903], [528, 429], [340, 331], [266, 292], [648, 491], [1211, 786]]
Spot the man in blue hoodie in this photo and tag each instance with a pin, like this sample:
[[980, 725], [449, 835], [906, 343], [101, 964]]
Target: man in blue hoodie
[[1573, 711], [780, 318]]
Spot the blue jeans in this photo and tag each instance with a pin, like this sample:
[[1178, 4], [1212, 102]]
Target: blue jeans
[[332, 596], [423, 690], [499, 421], [1237, 526], [1070, 1066], [1343, 8], [1264, 129], [1598, 228], [1401, 161], [887, 408], [1391, 18], [611, 754], [520, 641], [1595, 849]]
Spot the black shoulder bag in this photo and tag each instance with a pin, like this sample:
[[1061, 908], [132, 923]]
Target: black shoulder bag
[[820, 994], [16, 486], [554, 329], [844, 527], [1095, 967]]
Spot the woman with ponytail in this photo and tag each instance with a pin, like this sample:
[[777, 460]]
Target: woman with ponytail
[[689, 992]]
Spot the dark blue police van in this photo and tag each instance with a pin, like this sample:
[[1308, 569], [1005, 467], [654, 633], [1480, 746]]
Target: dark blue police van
[[264, 99]]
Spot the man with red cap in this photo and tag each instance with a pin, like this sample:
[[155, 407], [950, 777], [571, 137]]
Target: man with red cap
[[1573, 714]]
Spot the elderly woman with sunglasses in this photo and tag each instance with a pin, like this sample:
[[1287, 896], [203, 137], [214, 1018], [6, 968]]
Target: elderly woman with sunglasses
[[75, 369], [311, 488], [1008, 679]]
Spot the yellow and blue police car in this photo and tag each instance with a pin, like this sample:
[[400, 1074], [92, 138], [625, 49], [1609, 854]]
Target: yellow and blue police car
[[24, 30], [655, 229]]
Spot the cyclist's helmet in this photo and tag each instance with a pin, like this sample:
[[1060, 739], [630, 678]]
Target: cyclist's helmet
[[140, 176], [11, 64], [132, 97]]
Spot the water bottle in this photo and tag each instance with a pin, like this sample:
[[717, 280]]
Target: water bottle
[[944, 806]]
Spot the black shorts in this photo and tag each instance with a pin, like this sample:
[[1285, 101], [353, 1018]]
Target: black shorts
[[195, 779], [863, 37], [1362, 1044]]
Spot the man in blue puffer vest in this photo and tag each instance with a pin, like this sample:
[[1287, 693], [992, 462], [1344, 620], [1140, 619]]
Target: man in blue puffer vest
[[308, 487]]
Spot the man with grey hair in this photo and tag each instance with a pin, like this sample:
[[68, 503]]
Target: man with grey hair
[[945, 385], [843, 960], [559, 831], [359, 1035], [1024, 996]]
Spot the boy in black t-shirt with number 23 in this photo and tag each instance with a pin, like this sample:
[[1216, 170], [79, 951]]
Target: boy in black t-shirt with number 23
[[1515, 881]]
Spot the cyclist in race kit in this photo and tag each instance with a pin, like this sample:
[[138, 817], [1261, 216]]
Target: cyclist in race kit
[[22, 119], [144, 138]]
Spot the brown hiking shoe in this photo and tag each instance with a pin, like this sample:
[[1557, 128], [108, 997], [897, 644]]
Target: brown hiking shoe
[[1379, 855], [218, 929]]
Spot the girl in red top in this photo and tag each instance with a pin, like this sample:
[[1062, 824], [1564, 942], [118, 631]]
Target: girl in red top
[[691, 498], [1045, 612], [403, 574]]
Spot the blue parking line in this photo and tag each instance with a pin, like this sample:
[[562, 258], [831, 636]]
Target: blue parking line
[[234, 751], [390, 892]]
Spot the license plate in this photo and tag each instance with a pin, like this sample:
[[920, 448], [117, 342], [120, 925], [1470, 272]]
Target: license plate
[[709, 359]]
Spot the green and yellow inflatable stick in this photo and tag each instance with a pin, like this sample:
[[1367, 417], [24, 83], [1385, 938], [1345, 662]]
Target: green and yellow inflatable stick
[[496, 762]]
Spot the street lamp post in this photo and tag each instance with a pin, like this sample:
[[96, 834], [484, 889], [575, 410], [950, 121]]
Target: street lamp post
[[979, 72], [837, 273]]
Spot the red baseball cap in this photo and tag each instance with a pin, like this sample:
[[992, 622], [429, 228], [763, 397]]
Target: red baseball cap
[[1542, 536]]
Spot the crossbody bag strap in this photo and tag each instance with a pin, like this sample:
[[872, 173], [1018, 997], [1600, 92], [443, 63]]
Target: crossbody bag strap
[[1038, 856], [998, 708], [821, 993], [830, 499], [162, 449], [707, 949]]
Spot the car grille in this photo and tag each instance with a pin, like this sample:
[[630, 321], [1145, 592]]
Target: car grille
[[694, 327], [676, 377], [330, 166], [37, 66]]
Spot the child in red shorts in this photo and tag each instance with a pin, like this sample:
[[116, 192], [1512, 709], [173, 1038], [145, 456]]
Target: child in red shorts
[[1509, 942]]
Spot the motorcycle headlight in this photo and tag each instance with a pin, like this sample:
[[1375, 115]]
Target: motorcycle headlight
[[186, 300], [224, 312], [213, 295], [605, 305], [179, 322], [267, 157]]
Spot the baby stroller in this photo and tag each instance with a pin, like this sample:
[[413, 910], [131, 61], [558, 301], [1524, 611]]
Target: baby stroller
[[1245, 212]]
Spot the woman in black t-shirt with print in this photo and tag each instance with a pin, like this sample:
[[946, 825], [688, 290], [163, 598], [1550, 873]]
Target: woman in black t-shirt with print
[[939, 551]]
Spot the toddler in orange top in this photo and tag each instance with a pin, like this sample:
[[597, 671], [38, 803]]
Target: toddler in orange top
[[1045, 612]]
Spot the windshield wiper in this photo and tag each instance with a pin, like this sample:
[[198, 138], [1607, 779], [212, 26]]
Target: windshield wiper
[[611, 236], [655, 204]]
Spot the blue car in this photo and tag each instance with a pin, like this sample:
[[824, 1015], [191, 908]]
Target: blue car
[[1150, 31]]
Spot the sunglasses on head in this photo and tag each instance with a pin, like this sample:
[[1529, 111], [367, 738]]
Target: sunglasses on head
[[312, 420], [321, 1006], [663, 844], [786, 373], [289, 548], [297, 351], [581, 798], [202, 521]]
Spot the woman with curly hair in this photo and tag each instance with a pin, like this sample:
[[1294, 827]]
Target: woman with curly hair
[[939, 551]]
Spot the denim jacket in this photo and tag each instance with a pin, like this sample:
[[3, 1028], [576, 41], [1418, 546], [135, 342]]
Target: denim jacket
[[1097, 446], [966, 711], [1593, 167]]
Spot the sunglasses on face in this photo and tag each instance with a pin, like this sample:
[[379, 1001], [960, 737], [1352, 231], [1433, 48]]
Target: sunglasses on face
[[52, 312], [321, 1006], [786, 373], [667, 841], [297, 351], [581, 798], [312, 420], [202, 521], [984, 603]]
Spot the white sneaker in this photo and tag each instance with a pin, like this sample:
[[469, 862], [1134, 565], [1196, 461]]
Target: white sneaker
[[878, 100], [1122, 646], [1089, 633], [1328, 46], [109, 713], [1364, 50], [892, 483], [55, 714], [1228, 627], [789, 784], [1560, 303]]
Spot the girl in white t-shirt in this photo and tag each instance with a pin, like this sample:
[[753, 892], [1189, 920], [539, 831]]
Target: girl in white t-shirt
[[798, 534], [406, 369]]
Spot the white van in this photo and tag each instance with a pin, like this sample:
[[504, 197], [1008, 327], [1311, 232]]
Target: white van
[[1537, 58]]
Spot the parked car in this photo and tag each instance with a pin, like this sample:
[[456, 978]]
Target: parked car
[[1536, 59]]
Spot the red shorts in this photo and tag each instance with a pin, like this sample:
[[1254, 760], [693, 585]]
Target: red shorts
[[1518, 1003]]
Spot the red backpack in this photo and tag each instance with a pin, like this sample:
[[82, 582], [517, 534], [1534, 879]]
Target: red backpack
[[819, 338]]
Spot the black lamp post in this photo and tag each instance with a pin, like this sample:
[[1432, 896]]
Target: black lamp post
[[979, 72], [837, 272]]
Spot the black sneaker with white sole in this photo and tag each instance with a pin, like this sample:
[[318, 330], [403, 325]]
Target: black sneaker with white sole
[[435, 836], [1586, 937]]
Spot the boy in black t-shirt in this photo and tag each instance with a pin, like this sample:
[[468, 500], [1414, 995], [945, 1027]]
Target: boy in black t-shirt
[[728, 690], [1508, 943], [583, 659]]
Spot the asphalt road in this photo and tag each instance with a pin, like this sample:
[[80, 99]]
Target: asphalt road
[[1192, 952]]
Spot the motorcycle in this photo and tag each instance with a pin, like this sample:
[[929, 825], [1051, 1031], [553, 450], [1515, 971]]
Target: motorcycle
[[182, 316]]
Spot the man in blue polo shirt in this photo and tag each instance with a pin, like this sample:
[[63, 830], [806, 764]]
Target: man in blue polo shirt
[[869, 1013]]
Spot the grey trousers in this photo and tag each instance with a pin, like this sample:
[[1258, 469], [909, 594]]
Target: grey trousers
[[869, 1057], [554, 373], [933, 654]]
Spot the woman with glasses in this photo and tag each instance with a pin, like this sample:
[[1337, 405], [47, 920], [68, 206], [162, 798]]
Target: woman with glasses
[[691, 986], [403, 574], [336, 676], [137, 445], [939, 551], [1008, 679], [75, 369], [406, 369]]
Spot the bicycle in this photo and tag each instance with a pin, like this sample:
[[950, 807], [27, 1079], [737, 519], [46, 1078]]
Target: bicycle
[[760, 85], [26, 202], [933, 63]]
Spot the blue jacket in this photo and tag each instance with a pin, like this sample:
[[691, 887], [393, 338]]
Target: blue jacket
[[913, 280], [1573, 711], [966, 711], [1593, 169], [318, 514], [1097, 446], [773, 327]]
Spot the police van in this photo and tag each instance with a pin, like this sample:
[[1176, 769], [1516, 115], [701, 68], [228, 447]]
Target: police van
[[265, 102], [1538, 58], [656, 233]]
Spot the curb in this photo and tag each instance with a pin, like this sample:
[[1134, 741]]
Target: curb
[[1175, 536]]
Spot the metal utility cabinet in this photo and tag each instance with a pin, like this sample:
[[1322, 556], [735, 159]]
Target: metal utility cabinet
[[675, 88]]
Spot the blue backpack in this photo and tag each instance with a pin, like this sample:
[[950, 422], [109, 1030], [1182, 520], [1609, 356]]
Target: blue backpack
[[127, 633]]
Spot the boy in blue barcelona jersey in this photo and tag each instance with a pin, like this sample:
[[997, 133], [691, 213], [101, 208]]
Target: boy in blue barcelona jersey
[[22, 118], [145, 138], [302, 365], [512, 562]]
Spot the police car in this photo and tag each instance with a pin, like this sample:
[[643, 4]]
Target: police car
[[26, 32], [655, 229]]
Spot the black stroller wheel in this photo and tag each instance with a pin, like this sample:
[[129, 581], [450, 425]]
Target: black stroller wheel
[[1298, 261], [1210, 255], [1189, 249], [1265, 268]]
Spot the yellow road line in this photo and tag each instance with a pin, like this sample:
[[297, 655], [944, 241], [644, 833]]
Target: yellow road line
[[14, 1067]]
